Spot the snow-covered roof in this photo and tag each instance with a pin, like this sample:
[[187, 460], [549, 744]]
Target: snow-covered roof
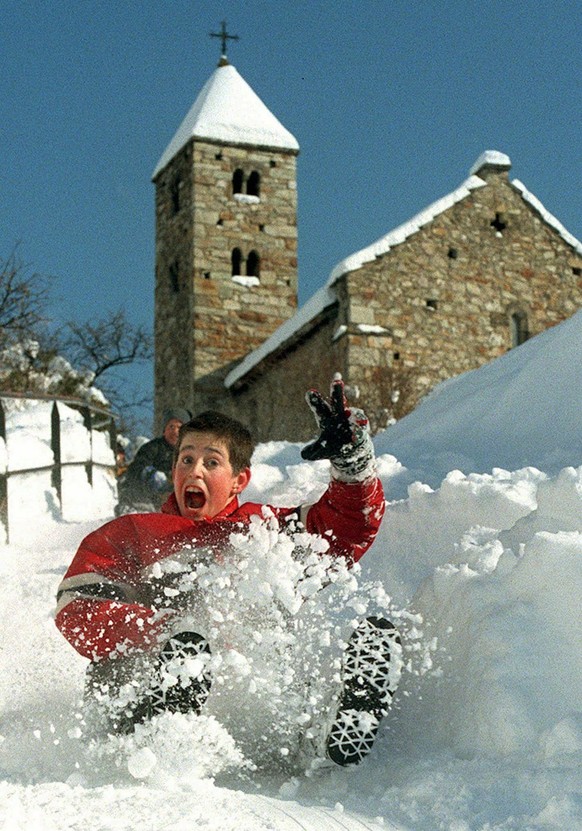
[[549, 218], [402, 232], [326, 296], [228, 110]]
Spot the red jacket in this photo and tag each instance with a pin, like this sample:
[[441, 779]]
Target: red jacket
[[99, 604]]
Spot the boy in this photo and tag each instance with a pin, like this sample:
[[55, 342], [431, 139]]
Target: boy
[[105, 607]]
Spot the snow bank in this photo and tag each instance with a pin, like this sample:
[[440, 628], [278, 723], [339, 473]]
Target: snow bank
[[522, 409], [488, 569], [509, 631], [479, 563]]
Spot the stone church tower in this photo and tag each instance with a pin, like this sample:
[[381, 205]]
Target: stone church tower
[[226, 240]]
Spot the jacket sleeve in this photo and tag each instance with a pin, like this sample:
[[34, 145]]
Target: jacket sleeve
[[348, 515], [144, 457], [98, 608], [134, 484]]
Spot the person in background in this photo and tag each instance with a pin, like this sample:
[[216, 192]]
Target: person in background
[[147, 482]]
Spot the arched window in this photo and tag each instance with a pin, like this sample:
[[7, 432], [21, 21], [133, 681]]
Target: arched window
[[238, 178], [253, 262], [175, 194], [254, 184], [236, 260], [174, 275], [518, 328]]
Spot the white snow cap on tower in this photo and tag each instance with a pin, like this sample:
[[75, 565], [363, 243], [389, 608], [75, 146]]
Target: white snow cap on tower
[[493, 158], [228, 110]]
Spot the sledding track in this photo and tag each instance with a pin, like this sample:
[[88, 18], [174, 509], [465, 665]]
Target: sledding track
[[204, 806], [291, 816]]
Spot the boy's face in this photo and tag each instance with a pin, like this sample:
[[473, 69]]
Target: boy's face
[[204, 481]]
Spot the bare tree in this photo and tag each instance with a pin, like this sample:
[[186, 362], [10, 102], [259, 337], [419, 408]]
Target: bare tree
[[97, 351], [106, 344], [102, 348], [24, 297]]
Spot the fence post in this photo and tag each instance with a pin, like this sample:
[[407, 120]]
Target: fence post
[[4, 477], [88, 424], [113, 439], [56, 475]]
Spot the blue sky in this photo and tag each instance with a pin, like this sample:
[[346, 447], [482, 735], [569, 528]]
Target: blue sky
[[391, 103]]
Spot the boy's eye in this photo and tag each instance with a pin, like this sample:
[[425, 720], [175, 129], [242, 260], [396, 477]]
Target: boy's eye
[[212, 463]]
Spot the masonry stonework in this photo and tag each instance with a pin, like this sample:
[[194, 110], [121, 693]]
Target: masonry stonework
[[445, 300], [226, 265], [469, 278], [272, 401]]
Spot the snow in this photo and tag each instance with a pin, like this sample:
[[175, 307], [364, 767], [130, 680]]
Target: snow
[[246, 199], [457, 426], [28, 447], [478, 561], [493, 158], [368, 329], [247, 282], [228, 110]]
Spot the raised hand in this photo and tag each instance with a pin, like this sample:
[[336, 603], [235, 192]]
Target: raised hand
[[344, 434]]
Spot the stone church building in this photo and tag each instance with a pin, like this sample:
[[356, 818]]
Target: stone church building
[[472, 275]]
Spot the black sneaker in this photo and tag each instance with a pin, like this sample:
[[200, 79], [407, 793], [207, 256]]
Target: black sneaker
[[367, 690], [188, 694]]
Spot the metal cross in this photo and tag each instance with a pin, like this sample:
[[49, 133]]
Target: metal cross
[[224, 36]]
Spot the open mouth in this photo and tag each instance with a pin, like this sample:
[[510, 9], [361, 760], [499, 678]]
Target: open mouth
[[194, 498]]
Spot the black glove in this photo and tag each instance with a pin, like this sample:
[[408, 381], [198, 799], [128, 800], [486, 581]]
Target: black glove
[[344, 438]]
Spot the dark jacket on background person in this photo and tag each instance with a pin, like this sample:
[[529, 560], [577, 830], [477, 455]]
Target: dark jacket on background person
[[147, 482]]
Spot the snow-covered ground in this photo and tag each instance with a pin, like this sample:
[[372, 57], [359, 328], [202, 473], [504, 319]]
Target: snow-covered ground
[[481, 554]]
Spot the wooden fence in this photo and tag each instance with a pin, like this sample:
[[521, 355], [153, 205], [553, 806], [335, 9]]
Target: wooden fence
[[94, 418]]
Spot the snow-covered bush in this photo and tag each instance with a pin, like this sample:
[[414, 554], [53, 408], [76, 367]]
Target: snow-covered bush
[[27, 366]]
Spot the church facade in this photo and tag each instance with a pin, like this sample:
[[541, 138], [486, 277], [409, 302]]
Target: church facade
[[472, 275]]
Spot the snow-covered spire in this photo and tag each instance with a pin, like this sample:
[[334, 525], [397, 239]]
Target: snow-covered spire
[[229, 111]]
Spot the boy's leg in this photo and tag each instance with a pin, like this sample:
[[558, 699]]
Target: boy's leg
[[112, 689], [121, 692], [369, 680], [180, 680]]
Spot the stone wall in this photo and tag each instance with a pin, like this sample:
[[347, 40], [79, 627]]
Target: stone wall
[[455, 294], [271, 401], [436, 305], [447, 294], [211, 318], [173, 285]]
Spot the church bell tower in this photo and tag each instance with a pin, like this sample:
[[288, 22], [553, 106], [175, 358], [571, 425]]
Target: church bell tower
[[226, 240]]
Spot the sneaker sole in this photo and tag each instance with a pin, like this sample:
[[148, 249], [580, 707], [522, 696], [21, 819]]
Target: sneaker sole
[[178, 698], [367, 690]]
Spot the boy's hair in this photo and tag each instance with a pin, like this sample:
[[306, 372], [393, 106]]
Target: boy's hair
[[236, 437]]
